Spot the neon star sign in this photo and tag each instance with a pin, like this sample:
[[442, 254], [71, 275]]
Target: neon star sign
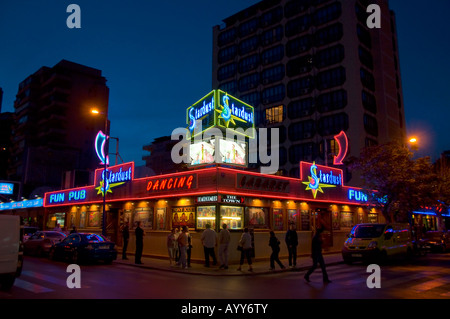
[[320, 177]]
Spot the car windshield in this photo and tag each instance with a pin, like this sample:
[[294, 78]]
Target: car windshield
[[55, 235], [93, 238], [367, 231]]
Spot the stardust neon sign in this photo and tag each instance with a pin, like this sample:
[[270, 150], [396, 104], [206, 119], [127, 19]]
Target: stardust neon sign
[[219, 109], [113, 176], [320, 177]]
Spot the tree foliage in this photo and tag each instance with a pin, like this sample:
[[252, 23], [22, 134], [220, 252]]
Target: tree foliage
[[403, 183]]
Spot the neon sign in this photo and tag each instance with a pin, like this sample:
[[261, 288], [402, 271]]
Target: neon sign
[[112, 177], [320, 177], [357, 195], [183, 182], [70, 196], [219, 109], [342, 141], [6, 188], [100, 142]]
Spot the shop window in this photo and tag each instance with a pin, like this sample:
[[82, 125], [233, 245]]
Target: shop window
[[56, 219], [161, 217], [305, 220], [277, 219], [94, 219], [372, 218], [206, 215], [145, 216], [292, 217], [232, 216], [183, 216], [82, 219], [347, 220], [257, 217]]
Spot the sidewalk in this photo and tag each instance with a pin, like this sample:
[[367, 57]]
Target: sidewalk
[[259, 267]]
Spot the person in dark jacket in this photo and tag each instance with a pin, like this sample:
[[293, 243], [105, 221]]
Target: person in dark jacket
[[291, 240], [316, 254], [139, 233], [274, 243], [126, 237]]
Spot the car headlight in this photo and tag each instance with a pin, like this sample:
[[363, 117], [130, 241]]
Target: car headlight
[[372, 245]]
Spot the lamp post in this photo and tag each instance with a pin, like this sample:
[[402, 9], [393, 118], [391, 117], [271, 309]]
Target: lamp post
[[105, 166], [413, 142]]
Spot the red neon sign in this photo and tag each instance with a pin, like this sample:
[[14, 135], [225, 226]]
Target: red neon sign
[[342, 141], [182, 182]]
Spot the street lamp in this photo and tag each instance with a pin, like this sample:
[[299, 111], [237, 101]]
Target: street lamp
[[413, 142], [96, 112]]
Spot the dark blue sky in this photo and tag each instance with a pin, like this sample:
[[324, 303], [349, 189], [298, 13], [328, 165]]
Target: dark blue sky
[[157, 59]]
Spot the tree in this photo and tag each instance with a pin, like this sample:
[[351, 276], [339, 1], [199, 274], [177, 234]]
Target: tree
[[401, 184]]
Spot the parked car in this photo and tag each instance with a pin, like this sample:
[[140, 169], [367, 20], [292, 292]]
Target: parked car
[[41, 241], [81, 247], [11, 253], [28, 231], [437, 240], [377, 242]]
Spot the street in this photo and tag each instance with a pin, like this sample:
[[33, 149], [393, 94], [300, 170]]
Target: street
[[422, 278]]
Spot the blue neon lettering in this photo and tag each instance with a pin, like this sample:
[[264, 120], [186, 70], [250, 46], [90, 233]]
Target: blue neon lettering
[[315, 184], [57, 198], [357, 196], [330, 178], [77, 195]]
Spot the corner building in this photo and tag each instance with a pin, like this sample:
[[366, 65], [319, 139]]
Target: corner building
[[312, 68]]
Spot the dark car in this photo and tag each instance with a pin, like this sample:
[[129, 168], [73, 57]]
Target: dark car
[[41, 241], [437, 240], [28, 231], [83, 247]]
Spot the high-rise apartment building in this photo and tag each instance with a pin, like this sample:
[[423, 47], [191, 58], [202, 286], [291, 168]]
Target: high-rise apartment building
[[313, 68], [54, 131]]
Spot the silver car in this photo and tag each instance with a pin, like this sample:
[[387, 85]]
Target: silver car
[[41, 241]]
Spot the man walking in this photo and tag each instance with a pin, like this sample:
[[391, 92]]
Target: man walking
[[291, 240], [183, 245], [224, 241], [316, 254], [209, 242]]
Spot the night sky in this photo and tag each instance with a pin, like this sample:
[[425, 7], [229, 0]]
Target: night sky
[[157, 59]]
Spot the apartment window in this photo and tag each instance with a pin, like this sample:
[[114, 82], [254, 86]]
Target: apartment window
[[273, 94], [329, 56], [328, 35], [333, 124], [367, 79], [301, 130], [332, 101], [332, 148], [298, 25], [369, 102], [271, 17], [298, 45], [251, 98], [272, 55], [229, 87], [299, 65], [248, 27], [364, 36], [226, 71], [227, 54], [249, 63], [327, 14], [295, 7], [271, 36], [370, 125], [248, 82], [300, 86], [331, 78], [302, 152], [274, 114], [248, 45], [300, 108], [227, 37], [365, 57], [273, 74]]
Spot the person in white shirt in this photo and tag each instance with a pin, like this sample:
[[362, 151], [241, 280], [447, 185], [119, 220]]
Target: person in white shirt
[[246, 252], [224, 241], [209, 242]]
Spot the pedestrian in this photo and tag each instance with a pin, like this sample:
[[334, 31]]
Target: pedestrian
[[224, 242], [189, 247], [274, 243], [291, 240], [139, 233], [316, 254], [177, 250], [57, 228], [209, 241], [74, 230], [126, 238], [246, 249], [183, 244], [172, 244]]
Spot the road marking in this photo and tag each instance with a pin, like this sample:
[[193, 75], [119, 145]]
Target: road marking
[[44, 277], [431, 284], [37, 289]]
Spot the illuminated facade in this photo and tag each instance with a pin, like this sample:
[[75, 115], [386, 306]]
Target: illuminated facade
[[313, 69], [214, 195]]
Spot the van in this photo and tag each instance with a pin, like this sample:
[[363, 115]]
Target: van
[[378, 242], [11, 251]]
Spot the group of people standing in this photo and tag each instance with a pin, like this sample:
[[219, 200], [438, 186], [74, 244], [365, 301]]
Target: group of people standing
[[179, 248]]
